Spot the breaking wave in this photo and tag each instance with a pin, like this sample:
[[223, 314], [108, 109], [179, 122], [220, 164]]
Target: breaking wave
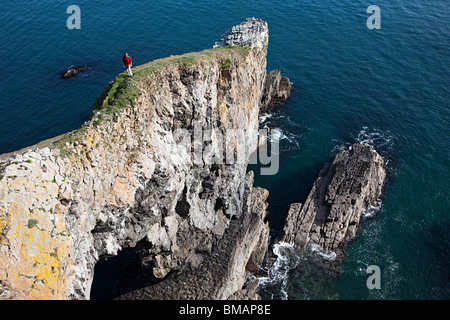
[[371, 211], [275, 283], [327, 255], [377, 139], [281, 129], [383, 141]]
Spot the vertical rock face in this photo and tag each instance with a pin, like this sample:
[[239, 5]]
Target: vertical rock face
[[221, 272], [162, 161], [331, 213], [36, 247], [277, 90]]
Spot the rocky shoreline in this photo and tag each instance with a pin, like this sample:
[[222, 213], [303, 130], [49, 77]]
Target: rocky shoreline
[[125, 182], [316, 234]]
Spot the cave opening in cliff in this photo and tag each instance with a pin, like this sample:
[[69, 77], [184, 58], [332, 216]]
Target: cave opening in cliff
[[125, 272]]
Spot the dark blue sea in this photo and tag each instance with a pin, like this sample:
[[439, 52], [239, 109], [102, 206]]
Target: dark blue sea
[[388, 87]]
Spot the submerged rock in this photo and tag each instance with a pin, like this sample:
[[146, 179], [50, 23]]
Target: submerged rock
[[331, 214], [72, 72]]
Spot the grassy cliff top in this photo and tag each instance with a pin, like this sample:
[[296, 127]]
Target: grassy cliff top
[[124, 90]]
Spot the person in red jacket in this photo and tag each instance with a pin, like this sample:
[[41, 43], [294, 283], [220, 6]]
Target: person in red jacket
[[127, 63]]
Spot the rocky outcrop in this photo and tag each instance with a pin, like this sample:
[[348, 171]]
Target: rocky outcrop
[[331, 214], [277, 89], [72, 72], [252, 32], [162, 163]]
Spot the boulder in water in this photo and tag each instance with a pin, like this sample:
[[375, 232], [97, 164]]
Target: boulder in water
[[73, 72]]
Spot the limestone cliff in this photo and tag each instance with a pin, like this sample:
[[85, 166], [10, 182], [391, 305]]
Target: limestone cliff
[[150, 165], [219, 274]]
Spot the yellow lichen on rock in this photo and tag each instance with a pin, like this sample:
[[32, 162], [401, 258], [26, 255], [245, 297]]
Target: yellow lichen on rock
[[44, 259], [4, 222], [34, 246], [122, 193]]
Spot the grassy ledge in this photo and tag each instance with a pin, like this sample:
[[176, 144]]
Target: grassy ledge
[[124, 90]]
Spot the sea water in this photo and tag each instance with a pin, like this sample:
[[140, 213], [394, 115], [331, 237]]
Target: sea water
[[387, 87]]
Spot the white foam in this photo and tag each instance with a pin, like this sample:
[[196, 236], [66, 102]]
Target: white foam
[[371, 211], [277, 274], [374, 137], [277, 134], [264, 117], [327, 255], [291, 141]]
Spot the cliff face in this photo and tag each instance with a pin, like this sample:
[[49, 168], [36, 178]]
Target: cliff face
[[221, 270], [162, 161]]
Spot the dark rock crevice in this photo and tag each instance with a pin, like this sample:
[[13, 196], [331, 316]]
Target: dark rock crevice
[[222, 262]]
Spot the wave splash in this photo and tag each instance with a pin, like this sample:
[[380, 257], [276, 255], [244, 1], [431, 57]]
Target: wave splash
[[326, 255], [375, 138], [275, 283], [296, 276], [381, 140], [281, 129], [371, 211]]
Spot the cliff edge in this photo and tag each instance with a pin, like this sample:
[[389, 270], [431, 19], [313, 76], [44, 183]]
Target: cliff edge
[[161, 162]]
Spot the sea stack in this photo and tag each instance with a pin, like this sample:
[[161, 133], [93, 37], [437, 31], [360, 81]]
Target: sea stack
[[331, 214], [277, 90]]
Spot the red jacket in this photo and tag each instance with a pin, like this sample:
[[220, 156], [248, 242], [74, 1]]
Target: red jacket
[[126, 60]]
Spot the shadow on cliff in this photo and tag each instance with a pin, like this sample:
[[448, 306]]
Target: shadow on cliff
[[291, 185], [121, 274]]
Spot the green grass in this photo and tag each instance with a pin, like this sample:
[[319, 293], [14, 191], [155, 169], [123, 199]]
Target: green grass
[[32, 223], [124, 90], [189, 59], [242, 48], [120, 92], [148, 70], [226, 65]]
